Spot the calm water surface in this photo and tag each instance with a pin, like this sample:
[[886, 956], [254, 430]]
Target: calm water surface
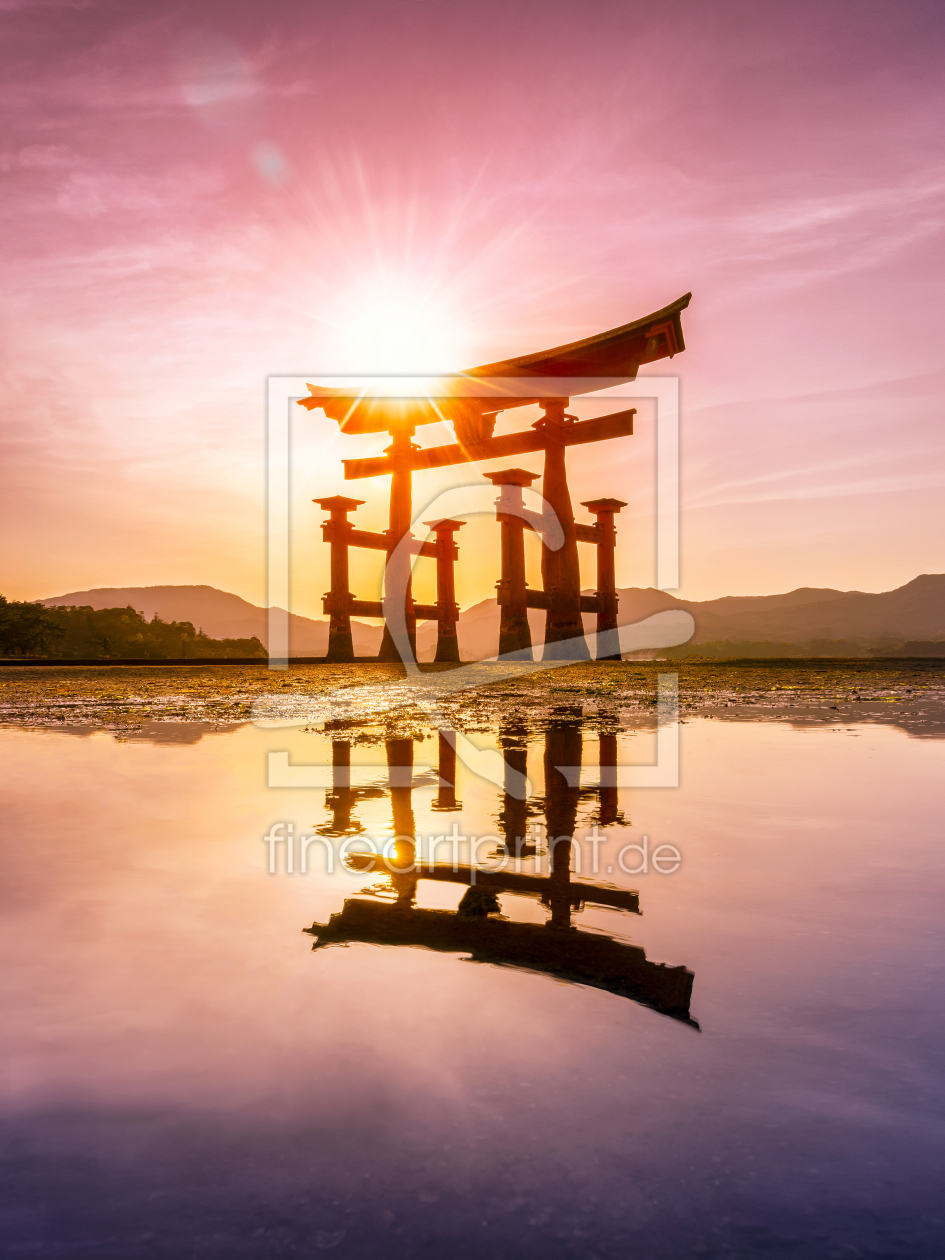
[[743, 1059]]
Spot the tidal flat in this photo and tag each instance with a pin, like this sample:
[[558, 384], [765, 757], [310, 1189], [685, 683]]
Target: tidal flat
[[129, 698]]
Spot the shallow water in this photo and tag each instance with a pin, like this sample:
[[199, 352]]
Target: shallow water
[[191, 1072]]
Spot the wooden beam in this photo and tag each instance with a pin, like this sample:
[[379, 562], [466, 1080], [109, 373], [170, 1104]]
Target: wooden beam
[[374, 608], [366, 608], [537, 599], [427, 612], [540, 599], [376, 542], [531, 885], [618, 424]]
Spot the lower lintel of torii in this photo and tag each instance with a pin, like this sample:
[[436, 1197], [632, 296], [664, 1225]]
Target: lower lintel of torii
[[602, 428]]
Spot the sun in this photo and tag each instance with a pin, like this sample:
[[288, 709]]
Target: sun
[[399, 328]]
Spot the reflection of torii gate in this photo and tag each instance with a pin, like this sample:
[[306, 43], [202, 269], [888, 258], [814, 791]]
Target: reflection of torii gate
[[555, 948], [472, 402]]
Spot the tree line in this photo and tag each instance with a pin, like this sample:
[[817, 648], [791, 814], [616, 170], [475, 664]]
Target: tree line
[[32, 629]]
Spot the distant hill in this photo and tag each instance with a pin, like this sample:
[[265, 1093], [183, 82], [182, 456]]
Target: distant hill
[[914, 612], [220, 615]]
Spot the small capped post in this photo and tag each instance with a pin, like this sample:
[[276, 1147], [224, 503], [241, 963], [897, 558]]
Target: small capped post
[[447, 610], [336, 532], [608, 642]]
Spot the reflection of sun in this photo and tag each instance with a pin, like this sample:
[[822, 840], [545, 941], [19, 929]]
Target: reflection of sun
[[398, 328]]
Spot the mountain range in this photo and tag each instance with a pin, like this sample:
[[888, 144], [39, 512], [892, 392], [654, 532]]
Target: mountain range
[[915, 611]]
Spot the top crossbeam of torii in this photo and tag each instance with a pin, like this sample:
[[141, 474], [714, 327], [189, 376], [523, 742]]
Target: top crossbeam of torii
[[471, 400]]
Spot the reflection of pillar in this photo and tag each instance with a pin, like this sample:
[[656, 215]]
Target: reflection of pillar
[[560, 570], [562, 748], [447, 610], [608, 642], [336, 603], [513, 818], [400, 774], [397, 573], [608, 774], [515, 638], [340, 800], [340, 764], [446, 772]]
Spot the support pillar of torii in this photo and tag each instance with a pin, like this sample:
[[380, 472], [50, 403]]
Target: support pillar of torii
[[336, 531], [512, 593], [447, 610], [339, 602], [605, 535]]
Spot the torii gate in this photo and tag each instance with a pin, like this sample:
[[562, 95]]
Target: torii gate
[[472, 401]]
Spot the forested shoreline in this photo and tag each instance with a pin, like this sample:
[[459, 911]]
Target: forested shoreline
[[31, 629]]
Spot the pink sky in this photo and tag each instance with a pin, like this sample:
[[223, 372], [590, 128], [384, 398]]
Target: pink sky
[[196, 198]]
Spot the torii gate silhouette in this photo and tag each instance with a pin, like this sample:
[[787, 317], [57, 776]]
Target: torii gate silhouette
[[471, 401]]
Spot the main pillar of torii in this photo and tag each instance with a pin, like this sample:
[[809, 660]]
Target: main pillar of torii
[[397, 572], [560, 570]]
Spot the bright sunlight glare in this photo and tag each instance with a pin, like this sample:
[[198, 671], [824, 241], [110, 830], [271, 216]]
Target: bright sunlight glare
[[398, 329]]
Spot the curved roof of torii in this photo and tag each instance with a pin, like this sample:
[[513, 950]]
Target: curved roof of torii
[[598, 362], [616, 353]]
